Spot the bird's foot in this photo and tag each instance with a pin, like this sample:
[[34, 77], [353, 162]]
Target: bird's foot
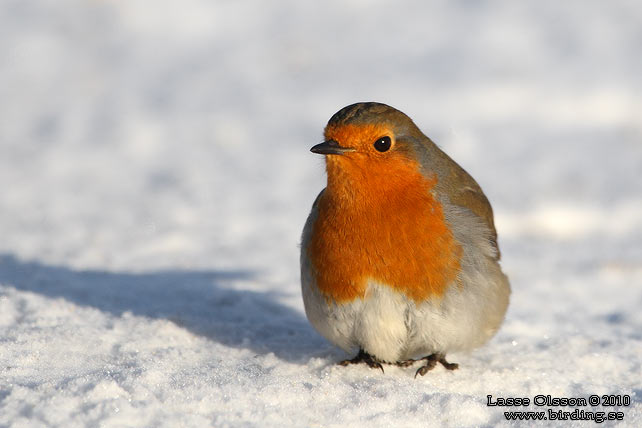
[[363, 357], [431, 362]]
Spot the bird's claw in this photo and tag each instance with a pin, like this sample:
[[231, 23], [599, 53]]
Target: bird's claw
[[363, 357], [431, 362]]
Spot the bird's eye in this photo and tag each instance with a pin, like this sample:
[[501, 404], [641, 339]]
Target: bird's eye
[[382, 144]]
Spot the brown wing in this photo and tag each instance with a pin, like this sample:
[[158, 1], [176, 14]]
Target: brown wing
[[463, 191]]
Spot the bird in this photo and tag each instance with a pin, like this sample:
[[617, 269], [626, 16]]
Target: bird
[[399, 254]]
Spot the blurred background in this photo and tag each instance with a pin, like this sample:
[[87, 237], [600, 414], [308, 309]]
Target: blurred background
[[138, 135], [155, 177]]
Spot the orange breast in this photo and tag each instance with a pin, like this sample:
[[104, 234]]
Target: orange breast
[[385, 227]]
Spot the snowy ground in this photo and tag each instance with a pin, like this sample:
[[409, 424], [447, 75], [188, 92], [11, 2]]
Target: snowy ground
[[155, 178]]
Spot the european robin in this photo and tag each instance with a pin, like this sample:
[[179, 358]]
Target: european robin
[[399, 256]]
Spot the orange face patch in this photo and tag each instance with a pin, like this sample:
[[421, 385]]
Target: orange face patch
[[377, 220], [359, 137]]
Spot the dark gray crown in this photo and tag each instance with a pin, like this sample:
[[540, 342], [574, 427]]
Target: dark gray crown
[[361, 112]]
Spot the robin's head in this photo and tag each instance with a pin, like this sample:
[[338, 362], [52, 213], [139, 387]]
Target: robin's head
[[365, 140]]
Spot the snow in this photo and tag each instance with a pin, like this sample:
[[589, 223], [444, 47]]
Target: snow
[[156, 178]]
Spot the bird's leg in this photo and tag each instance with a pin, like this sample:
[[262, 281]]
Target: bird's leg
[[363, 357], [446, 364], [431, 362]]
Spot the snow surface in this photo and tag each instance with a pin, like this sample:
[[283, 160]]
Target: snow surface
[[156, 176]]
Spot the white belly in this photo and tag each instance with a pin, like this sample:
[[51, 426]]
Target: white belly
[[392, 327]]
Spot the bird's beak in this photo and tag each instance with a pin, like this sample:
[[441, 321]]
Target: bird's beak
[[331, 147]]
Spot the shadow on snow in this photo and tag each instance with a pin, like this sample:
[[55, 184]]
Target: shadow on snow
[[196, 300]]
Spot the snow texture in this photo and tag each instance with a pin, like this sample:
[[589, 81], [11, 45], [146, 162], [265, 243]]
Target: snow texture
[[156, 177]]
